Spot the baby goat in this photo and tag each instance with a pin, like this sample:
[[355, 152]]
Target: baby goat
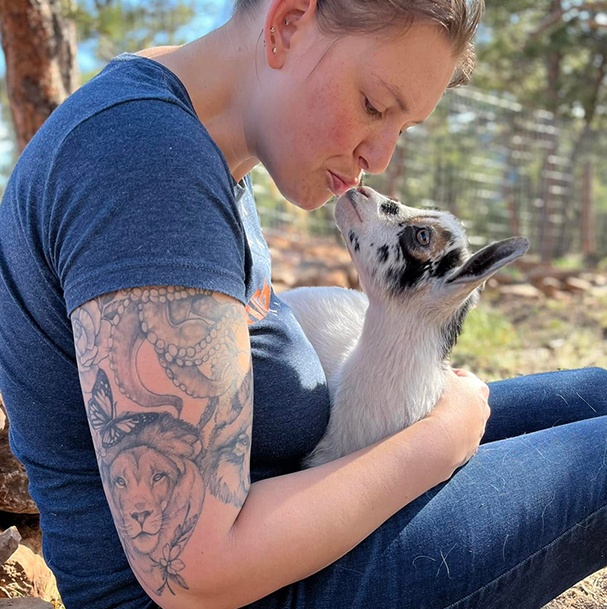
[[385, 353]]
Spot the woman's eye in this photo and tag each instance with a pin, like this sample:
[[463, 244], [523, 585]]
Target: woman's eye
[[371, 110], [423, 236]]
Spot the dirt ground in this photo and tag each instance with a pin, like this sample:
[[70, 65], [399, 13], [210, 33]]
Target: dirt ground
[[509, 334], [588, 594]]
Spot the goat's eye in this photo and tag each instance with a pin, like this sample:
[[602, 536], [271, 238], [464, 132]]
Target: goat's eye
[[423, 236]]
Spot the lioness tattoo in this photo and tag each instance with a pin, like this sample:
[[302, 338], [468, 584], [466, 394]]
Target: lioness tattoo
[[157, 467], [156, 493]]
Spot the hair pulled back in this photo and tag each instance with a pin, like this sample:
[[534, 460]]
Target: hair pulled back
[[458, 18]]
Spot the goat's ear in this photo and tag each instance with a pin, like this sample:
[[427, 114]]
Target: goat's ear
[[487, 261]]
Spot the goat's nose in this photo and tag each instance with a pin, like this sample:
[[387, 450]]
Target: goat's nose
[[360, 194]]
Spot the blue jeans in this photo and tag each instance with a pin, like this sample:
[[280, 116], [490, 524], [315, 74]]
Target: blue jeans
[[523, 521]]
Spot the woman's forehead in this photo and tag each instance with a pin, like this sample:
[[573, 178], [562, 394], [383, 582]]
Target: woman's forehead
[[407, 67]]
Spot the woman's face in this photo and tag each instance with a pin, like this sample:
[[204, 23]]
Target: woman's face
[[335, 106]]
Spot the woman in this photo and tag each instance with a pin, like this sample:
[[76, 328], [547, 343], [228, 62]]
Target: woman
[[138, 312]]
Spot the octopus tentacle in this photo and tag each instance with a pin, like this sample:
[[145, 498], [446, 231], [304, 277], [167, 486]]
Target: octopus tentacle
[[187, 334], [124, 347]]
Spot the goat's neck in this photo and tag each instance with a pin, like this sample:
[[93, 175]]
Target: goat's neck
[[398, 360]]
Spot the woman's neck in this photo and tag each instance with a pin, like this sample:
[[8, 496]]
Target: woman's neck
[[216, 71]]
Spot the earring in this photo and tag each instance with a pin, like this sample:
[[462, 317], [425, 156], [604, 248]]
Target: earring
[[287, 21]]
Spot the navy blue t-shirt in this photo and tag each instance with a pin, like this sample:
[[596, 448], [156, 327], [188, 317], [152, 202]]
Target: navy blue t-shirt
[[123, 187]]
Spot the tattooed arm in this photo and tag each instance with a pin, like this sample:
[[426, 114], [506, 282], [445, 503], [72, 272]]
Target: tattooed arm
[[167, 383]]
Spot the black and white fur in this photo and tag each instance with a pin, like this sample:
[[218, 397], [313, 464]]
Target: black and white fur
[[385, 351]]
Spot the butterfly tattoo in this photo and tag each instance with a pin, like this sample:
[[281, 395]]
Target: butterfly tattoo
[[102, 414]]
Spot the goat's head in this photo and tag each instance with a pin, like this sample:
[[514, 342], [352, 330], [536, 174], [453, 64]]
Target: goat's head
[[402, 253]]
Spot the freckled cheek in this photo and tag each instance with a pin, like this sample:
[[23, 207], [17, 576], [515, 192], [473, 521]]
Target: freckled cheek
[[341, 135], [331, 120]]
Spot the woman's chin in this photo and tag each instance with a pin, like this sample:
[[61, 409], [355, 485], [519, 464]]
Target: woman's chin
[[309, 200]]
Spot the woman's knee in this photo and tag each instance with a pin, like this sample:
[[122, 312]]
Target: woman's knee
[[595, 375], [590, 381]]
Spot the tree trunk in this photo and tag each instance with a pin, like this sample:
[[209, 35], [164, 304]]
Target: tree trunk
[[39, 43], [587, 224], [396, 171], [554, 60], [547, 192]]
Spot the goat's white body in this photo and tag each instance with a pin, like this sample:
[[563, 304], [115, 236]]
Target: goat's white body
[[383, 365], [384, 353]]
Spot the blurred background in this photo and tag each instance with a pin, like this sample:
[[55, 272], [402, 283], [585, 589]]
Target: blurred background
[[522, 150]]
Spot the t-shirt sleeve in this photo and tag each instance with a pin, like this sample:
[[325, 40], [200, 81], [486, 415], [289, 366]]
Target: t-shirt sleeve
[[140, 195]]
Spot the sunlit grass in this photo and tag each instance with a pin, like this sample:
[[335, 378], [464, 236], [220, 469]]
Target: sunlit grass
[[487, 344], [501, 342]]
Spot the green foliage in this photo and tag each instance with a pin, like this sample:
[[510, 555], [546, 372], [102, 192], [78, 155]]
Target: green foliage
[[569, 263], [487, 336], [110, 27], [549, 54]]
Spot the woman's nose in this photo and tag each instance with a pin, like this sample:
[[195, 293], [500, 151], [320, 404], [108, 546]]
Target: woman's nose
[[375, 152]]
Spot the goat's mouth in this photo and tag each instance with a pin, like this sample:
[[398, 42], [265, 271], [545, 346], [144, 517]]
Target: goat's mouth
[[360, 193]]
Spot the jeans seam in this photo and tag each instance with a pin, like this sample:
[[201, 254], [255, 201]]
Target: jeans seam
[[531, 557]]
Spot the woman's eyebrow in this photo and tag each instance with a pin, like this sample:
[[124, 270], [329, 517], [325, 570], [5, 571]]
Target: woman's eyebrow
[[395, 93], [399, 100]]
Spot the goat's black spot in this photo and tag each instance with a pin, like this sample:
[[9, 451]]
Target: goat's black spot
[[447, 263], [383, 253], [390, 208], [407, 275], [411, 270], [406, 240], [354, 241], [454, 327]]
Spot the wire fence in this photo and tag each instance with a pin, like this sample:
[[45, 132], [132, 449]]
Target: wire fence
[[501, 169]]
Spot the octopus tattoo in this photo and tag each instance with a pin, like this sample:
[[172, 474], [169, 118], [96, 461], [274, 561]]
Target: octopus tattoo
[[190, 338]]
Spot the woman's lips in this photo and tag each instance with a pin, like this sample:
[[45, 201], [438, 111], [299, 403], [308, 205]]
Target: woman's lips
[[339, 185]]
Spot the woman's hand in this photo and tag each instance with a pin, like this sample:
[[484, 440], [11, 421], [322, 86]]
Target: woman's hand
[[462, 414]]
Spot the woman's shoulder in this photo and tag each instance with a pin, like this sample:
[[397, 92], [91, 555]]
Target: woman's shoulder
[[129, 87], [129, 78], [133, 119]]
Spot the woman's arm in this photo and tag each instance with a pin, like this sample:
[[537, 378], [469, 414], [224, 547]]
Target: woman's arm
[[170, 410]]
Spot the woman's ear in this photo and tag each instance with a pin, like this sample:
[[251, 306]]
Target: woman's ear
[[284, 20]]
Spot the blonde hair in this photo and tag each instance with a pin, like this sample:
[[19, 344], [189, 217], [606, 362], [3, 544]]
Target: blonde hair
[[458, 18]]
